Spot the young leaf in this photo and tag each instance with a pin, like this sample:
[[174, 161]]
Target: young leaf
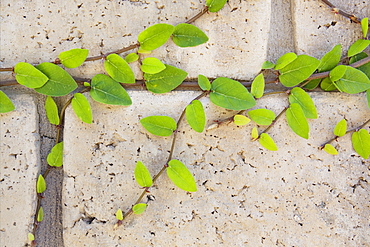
[[267, 65], [298, 95], [358, 47], [262, 116], [119, 69], [195, 116], [29, 76], [55, 157], [142, 175], [60, 82], [107, 91], [312, 84], [330, 149], [40, 214], [166, 80], [132, 57], [139, 208], [51, 109], [231, 95], [258, 86], [6, 105], [31, 237], [86, 84], [284, 60], [254, 133], [81, 107], [181, 176], [330, 59], [215, 5], [142, 51], [365, 26], [353, 80], [159, 125], [204, 83], [267, 142], [41, 184], [327, 85], [298, 70], [73, 58], [297, 120], [338, 72], [155, 36], [241, 120], [361, 143], [187, 35], [341, 128], [119, 214], [152, 65]]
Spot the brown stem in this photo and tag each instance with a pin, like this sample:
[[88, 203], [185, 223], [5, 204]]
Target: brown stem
[[197, 16], [273, 122], [336, 10]]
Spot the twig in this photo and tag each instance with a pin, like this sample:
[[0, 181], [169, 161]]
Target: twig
[[197, 16], [275, 120], [336, 10]]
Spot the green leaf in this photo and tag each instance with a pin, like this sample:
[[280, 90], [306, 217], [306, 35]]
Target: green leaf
[[297, 120], [159, 125], [341, 128], [258, 86], [298, 95], [241, 120], [187, 35], [330, 149], [118, 69], [368, 97], [364, 68], [27, 75], [142, 175], [40, 214], [119, 214], [262, 116], [353, 81], [155, 36], [31, 237], [142, 51], [181, 176], [139, 208], [152, 65], [361, 143], [231, 95], [196, 116], [132, 57], [312, 84], [298, 70], [166, 80], [60, 82], [81, 107], [204, 83], [108, 91], [338, 72], [267, 142], [73, 58], [55, 157], [215, 5], [51, 109], [267, 65], [358, 47], [330, 59], [365, 26], [86, 84], [285, 59], [254, 133], [41, 184], [6, 105], [327, 85]]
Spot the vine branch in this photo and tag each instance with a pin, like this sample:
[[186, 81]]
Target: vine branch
[[336, 10]]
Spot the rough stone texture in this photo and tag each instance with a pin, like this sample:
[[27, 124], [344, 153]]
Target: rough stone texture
[[20, 165], [247, 196]]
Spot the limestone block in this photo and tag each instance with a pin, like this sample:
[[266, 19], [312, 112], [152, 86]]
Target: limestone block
[[20, 164], [247, 196]]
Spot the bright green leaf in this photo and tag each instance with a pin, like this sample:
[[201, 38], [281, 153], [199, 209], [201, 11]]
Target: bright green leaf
[[155, 36], [31, 237], [258, 86], [81, 107], [6, 105], [361, 143], [108, 91], [204, 83], [364, 68], [330, 59], [241, 120], [368, 97], [181, 176], [330, 149], [166, 80], [132, 57], [297, 120], [142, 175], [60, 82], [187, 35], [298, 95], [118, 69], [215, 5], [358, 47], [152, 65], [298, 70], [159, 125], [27, 75], [365, 26], [86, 84], [262, 116], [312, 84], [267, 65], [40, 214], [254, 133], [338, 72], [353, 81], [267, 142], [41, 184], [51, 109], [142, 51], [285, 59], [139, 208], [341, 128], [55, 157], [327, 85], [119, 214], [73, 58], [231, 95], [196, 116]]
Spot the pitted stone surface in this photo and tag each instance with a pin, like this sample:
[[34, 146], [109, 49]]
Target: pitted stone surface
[[247, 196], [20, 164]]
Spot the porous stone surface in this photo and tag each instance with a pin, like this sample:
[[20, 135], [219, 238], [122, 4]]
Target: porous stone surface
[[20, 165], [247, 196]]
